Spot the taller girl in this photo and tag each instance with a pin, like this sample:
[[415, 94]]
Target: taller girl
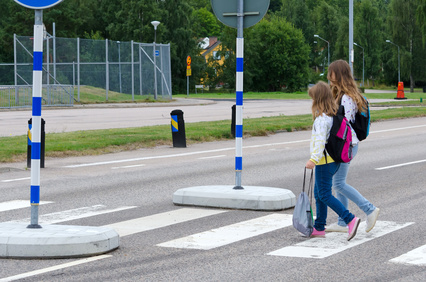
[[345, 92]]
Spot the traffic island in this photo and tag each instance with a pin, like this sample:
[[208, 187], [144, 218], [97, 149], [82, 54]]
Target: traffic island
[[224, 196], [55, 241]]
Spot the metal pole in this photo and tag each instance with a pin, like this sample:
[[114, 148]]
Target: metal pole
[[363, 54], [106, 69], [54, 53], [140, 69], [133, 70], [36, 117], [78, 68], [351, 35], [48, 69], [155, 68], [399, 72], [239, 97], [119, 66], [15, 67]]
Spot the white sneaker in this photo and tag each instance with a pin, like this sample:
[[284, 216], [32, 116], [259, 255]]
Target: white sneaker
[[336, 228], [371, 219]]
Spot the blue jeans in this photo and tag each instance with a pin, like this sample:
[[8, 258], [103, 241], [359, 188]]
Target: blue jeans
[[345, 191], [324, 198]]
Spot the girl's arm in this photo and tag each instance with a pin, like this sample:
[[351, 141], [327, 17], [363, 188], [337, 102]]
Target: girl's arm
[[350, 107], [318, 139]]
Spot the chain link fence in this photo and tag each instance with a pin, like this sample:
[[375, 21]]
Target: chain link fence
[[125, 67]]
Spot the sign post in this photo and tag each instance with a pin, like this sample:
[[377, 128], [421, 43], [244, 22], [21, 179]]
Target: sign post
[[188, 73], [239, 14], [38, 6]]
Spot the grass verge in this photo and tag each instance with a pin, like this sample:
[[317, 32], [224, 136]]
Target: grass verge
[[95, 142]]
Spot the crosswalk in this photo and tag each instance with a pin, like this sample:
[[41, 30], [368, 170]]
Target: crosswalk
[[314, 248]]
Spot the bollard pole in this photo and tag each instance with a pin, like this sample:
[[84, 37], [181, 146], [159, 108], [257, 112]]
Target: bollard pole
[[36, 118], [239, 97]]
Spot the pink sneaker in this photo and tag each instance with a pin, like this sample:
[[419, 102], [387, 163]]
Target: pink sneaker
[[316, 233], [353, 227]]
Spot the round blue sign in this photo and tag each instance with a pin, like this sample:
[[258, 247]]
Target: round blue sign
[[38, 4]]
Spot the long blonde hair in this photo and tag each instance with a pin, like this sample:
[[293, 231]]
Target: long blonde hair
[[322, 100], [343, 83]]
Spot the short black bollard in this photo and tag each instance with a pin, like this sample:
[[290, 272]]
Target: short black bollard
[[42, 143], [234, 108], [178, 129]]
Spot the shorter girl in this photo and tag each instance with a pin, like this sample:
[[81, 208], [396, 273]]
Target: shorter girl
[[324, 108]]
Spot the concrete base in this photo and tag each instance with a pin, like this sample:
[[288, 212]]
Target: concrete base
[[55, 241], [224, 196]]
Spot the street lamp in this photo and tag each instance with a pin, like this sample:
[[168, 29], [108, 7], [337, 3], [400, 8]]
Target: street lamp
[[119, 65], [155, 24], [399, 72], [328, 43], [362, 62]]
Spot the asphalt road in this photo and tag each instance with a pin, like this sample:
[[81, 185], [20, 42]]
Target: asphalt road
[[389, 170]]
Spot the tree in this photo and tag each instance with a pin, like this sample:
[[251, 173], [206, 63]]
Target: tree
[[368, 27], [275, 56], [406, 33], [204, 23]]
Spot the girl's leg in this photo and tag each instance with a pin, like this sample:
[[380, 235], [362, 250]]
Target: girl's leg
[[323, 182], [344, 191], [321, 209]]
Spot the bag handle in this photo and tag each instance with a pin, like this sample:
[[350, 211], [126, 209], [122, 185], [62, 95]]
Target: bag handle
[[311, 183]]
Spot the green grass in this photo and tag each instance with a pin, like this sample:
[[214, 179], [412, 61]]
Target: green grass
[[94, 142]]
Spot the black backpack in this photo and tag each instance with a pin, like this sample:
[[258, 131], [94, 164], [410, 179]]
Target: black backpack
[[339, 143], [361, 126]]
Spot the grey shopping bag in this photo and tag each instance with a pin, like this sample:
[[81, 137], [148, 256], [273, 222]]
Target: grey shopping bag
[[303, 219]]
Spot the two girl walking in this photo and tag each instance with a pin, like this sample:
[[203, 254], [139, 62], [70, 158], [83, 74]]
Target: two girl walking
[[328, 174]]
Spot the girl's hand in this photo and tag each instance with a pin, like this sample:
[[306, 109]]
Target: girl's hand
[[310, 165]]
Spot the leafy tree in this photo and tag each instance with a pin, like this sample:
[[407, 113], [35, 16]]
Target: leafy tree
[[406, 33], [275, 56], [368, 34], [204, 23]]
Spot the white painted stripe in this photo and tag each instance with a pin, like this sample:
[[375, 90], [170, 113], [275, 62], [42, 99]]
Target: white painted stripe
[[38, 38], [16, 179], [396, 129], [239, 115], [336, 242], [399, 165], [239, 81], [232, 233], [53, 268], [414, 257], [212, 157], [73, 214], [160, 220], [240, 47], [185, 154], [128, 166], [37, 85], [35, 171], [18, 204]]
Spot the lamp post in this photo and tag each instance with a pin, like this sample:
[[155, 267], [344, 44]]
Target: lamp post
[[328, 49], [119, 65], [399, 72], [362, 62], [155, 24]]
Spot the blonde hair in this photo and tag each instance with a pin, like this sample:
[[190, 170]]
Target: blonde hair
[[322, 100], [343, 83]]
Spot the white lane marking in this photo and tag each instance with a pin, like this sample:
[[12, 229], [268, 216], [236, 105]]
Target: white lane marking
[[18, 204], [399, 165], [232, 233], [336, 242], [16, 179], [53, 268], [183, 154], [212, 157], [414, 257], [79, 213], [142, 224], [396, 129], [128, 166]]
